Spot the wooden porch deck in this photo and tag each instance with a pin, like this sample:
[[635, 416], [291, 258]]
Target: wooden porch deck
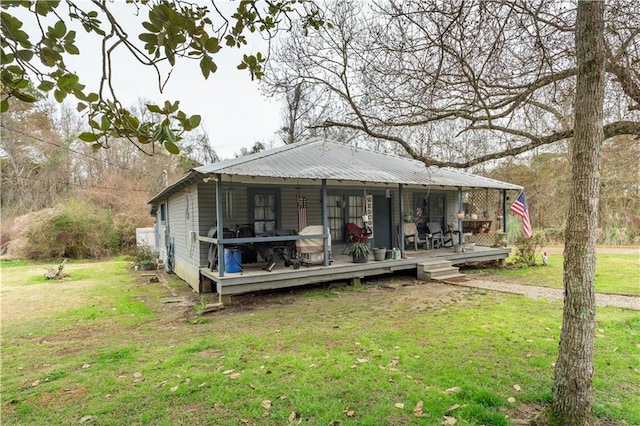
[[254, 278]]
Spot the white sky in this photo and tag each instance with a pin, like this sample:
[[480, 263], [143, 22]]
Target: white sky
[[234, 113]]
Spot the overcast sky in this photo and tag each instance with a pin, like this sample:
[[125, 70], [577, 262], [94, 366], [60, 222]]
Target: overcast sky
[[234, 113]]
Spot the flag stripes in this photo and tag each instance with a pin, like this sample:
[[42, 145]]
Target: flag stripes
[[521, 208]]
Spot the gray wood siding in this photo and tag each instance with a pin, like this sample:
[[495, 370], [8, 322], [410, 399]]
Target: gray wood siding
[[182, 221], [207, 215], [288, 208]]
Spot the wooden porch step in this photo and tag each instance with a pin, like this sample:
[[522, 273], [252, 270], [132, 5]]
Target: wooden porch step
[[434, 264], [437, 270]]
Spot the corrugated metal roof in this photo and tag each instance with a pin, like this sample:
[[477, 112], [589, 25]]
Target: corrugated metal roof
[[324, 159]]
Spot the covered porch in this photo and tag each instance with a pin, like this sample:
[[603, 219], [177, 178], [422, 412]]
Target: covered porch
[[254, 278]]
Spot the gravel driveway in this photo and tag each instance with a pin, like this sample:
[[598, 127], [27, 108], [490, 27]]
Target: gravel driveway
[[535, 292]]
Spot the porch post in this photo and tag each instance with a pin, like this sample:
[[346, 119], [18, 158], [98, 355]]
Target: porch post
[[325, 221], [400, 226], [460, 236], [504, 210], [219, 226]]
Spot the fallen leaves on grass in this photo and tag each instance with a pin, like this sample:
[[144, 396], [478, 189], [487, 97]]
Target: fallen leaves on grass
[[293, 416], [517, 388], [234, 376], [349, 412], [266, 404], [399, 405], [448, 420], [452, 390], [417, 411]]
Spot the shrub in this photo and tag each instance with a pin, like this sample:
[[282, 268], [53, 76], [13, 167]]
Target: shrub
[[528, 248], [146, 257], [75, 229]]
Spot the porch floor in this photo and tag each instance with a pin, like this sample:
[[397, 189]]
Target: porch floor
[[254, 278]]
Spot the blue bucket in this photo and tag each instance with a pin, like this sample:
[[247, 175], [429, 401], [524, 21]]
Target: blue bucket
[[232, 260]]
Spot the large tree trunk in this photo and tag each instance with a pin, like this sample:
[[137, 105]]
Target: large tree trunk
[[574, 368]]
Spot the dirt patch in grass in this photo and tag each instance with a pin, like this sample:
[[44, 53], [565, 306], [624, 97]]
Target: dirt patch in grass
[[381, 295]]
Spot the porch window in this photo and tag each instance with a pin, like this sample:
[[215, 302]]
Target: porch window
[[265, 211], [356, 209], [335, 209], [433, 208]]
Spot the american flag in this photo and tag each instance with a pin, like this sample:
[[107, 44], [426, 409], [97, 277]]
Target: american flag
[[521, 208]]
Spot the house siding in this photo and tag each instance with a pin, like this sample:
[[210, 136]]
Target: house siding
[[183, 219]]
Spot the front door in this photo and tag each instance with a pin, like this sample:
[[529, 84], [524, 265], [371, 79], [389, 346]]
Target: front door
[[382, 226]]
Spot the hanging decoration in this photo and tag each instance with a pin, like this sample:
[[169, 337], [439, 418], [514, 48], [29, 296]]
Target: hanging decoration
[[367, 213], [301, 203]]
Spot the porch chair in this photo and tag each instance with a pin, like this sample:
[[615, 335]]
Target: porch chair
[[411, 235], [439, 237], [355, 234]]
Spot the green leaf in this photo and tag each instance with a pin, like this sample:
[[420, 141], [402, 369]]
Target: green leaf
[[25, 97], [154, 108], [72, 49], [59, 29], [81, 106], [194, 120], [4, 105], [88, 137], [59, 95], [93, 97], [150, 27], [24, 55], [204, 66], [49, 56], [43, 7], [172, 148], [105, 124], [212, 45]]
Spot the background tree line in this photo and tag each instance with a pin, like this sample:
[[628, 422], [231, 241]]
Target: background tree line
[[61, 197]]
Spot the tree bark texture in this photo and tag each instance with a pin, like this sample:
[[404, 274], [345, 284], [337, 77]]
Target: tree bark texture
[[574, 368]]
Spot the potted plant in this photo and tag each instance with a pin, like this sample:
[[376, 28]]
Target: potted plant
[[360, 253]]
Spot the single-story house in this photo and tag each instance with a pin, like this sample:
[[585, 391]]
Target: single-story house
[[317, 182]]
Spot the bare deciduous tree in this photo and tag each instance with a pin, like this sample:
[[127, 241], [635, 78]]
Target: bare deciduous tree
[[461, 83]]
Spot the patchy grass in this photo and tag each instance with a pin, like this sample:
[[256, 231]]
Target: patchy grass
[[615, 273], [110, 350]]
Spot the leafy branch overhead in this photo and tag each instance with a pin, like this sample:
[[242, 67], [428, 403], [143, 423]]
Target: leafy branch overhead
[[38, 38]]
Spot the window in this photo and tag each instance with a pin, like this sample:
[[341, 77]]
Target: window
[[433, 208], [265, 211], [163, 213], [335, 207], [356, 209]]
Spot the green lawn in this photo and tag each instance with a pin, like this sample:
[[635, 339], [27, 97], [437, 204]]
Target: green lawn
[[104, 346], [615, 273]]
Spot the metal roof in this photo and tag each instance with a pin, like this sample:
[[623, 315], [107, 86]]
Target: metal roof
[[324, 159]]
